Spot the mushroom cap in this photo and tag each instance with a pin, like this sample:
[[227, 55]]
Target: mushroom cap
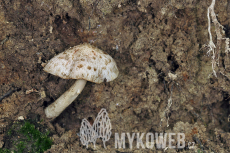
[[83, 62]]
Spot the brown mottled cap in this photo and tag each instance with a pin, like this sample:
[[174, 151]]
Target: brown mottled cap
[[83, 62]]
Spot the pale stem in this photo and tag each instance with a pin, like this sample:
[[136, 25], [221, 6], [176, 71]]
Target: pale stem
[[57, 107]]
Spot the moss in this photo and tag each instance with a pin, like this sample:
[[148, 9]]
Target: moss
[[4, 151], [25, 137], [21, 146]]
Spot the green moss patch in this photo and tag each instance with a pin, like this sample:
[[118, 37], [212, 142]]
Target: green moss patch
[[24, 136]]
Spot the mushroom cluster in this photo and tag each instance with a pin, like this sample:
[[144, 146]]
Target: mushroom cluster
[[85, 63]]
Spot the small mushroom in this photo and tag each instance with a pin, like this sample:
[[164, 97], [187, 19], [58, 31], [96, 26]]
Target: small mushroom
[[85, 63]]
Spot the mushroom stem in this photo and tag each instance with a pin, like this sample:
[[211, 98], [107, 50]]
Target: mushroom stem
[[57, 107]]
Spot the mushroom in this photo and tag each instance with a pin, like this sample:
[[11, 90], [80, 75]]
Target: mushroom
[[85, 63]]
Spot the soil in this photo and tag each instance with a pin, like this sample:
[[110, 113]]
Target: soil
[[165, 81]]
